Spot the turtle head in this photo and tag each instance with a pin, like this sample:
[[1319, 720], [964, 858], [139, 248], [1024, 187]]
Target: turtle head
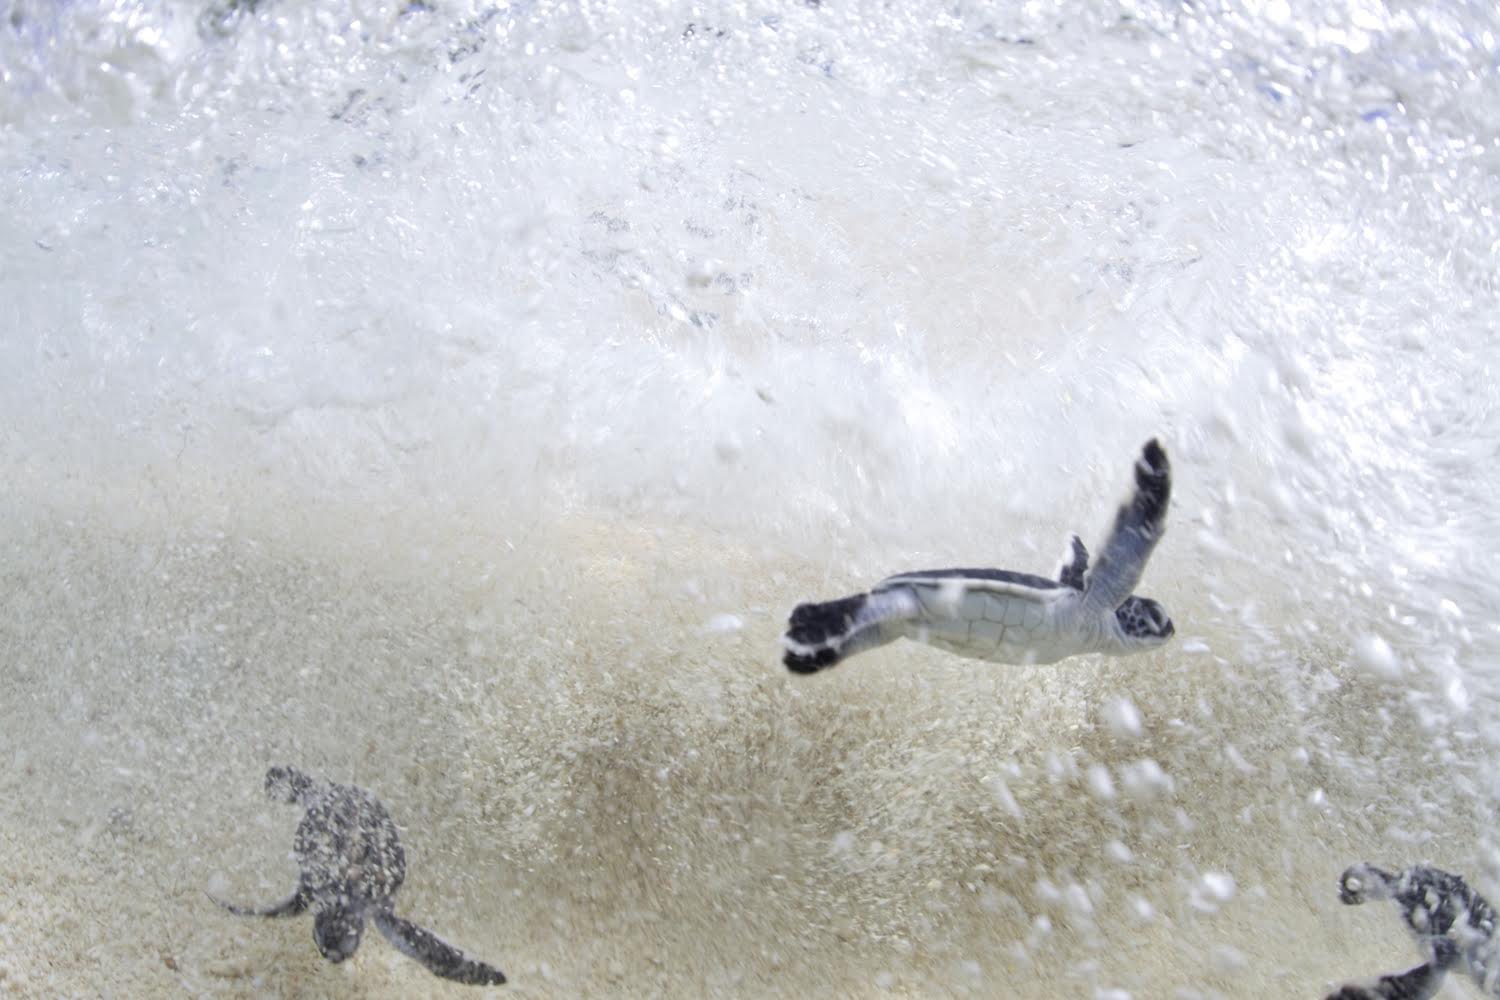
[[287, 784], [337, 930], [1364, 881], [1143, 623]]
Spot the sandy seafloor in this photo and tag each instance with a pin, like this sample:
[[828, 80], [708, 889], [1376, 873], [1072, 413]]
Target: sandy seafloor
[[455, 401]]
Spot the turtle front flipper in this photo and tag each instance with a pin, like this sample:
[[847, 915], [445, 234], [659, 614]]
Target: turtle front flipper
[[1139, 525], [1071, 573], [440, 957], [1421, 983], [297, 903]]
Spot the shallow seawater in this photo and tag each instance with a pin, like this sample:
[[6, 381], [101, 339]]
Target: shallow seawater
[[454, 399]]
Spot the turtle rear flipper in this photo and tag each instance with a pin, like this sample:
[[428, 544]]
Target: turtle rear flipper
[[289, 907], [821, 635], [440, 957], [1421, 983]]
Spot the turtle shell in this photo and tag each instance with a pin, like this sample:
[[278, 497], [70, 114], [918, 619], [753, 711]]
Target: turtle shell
[[980, 579], [348, 848]]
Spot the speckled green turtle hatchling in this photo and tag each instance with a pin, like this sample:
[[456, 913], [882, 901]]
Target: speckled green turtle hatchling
[[1003, 616], [351, 864], [1453, 925]]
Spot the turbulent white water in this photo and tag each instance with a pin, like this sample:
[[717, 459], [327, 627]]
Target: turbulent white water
[[455, 399]]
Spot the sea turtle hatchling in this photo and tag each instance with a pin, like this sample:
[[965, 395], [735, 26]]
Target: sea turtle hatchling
[[1003, 616], [1452, 923], [351, 864]]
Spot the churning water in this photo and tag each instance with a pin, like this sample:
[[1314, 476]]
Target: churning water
[[454, 398]]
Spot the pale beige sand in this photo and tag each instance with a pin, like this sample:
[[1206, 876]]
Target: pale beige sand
[[606, 797]]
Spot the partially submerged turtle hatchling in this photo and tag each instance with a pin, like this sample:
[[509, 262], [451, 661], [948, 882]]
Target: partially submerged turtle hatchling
[[351, 865], [1452, 923], [1004, 616]]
